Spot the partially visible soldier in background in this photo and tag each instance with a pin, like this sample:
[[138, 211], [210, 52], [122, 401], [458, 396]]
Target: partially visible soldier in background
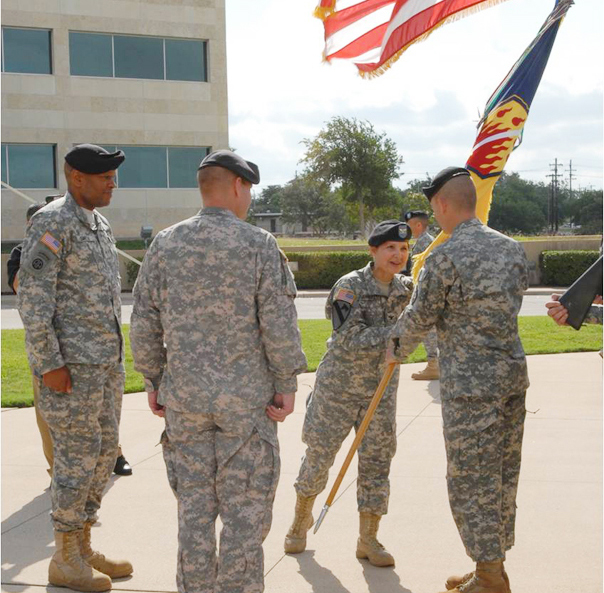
[[363, 307], [69, 301], [418, 223], [214, 332], [471, 289], [12, 269]]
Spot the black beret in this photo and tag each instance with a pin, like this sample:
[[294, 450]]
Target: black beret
[[233, 162], [93, 159], [415, 213], [441, 178], [389, 230]]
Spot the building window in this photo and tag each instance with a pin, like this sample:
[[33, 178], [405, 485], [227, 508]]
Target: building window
[[29, 166], [90, 55], [26, 51], [130, 56], [159, 166]]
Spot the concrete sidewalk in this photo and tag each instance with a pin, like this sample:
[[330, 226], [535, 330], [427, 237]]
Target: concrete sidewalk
[[559, 528]]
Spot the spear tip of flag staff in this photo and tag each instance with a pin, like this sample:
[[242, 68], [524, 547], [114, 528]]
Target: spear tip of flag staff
[[375, 400]]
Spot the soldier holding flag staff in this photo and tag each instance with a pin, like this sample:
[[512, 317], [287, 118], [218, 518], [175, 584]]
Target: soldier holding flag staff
[[363, 307]]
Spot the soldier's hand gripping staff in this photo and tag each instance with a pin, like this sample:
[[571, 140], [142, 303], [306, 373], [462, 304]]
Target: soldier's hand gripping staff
[[363, 307]]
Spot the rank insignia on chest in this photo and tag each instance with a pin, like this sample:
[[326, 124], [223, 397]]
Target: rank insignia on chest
[[49, 241], [345, 295]]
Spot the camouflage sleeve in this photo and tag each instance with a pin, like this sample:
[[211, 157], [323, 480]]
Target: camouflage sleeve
[[44, 249], [146, 330], [278, 319], [594, 315], [427, 304], [351, 327]]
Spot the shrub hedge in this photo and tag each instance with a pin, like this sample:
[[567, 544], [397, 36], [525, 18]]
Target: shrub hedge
[[562, 268], [321, 269], [318, 269]]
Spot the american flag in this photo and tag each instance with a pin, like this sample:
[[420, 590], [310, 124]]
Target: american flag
[[374, 33]]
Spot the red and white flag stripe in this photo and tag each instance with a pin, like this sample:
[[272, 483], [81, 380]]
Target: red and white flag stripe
[[373, 33]]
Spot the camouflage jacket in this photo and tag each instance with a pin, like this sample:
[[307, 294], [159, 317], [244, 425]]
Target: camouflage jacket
[[422, 243], [594, 315], [471, 288], [214, 324], [69, 289], [362, 318]]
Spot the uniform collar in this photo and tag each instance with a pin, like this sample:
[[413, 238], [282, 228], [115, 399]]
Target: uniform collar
[[214, 211], [466, 224], [72, 205], [396, 286]]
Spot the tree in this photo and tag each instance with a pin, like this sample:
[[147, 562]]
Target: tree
[[269, 200], [518, 206], [305, 201], [586, 211], [351, 154]]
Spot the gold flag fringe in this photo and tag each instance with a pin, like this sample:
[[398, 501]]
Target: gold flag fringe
[[322, 12], [454, 17]]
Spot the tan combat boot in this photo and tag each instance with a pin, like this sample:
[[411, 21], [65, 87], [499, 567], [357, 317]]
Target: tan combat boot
[[487, 578], [295, 540], [115, 569], [368, 546], [455, 581], [68, 569], [430, 373]]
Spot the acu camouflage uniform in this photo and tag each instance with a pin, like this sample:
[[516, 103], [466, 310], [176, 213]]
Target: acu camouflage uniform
[[214, 327], [69, 301], [430, 341], [594, 315], [346, 380], [471, 288]]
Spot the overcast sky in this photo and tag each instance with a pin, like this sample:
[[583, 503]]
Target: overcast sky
[[280, 91]]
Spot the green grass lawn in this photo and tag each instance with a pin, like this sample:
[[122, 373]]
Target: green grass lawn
[[539, 336]]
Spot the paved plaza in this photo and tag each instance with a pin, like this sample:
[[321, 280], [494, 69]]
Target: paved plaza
[[559, 527]]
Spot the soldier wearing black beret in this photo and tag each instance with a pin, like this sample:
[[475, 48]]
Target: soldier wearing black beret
[[470, 289], [69, 301], [418, 222], [362, 306]]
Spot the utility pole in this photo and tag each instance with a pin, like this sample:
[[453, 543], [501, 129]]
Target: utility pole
[[570, 179], [553, 204]]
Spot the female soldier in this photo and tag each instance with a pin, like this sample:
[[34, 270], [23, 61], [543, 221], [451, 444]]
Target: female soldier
[[363, 307]]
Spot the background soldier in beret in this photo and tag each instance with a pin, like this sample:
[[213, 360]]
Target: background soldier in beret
[[363, 307], [12, 268], [471, 289], [214, 332], [69, 301], [418, 223]]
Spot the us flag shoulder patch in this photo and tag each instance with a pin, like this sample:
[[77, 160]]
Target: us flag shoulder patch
[[49, 241], [345, 295]]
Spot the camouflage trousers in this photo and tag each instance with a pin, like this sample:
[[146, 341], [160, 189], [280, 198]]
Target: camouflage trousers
[[431, 344], [483, 440], [84, 427], [329, 419], [223, 465]]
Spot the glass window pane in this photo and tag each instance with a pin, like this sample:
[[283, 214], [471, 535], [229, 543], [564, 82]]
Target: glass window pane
[[90, 54], [183, 165], [139, 57], [145, 166], [31, 165], [27, 51], [185, 59], [4, 170]]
